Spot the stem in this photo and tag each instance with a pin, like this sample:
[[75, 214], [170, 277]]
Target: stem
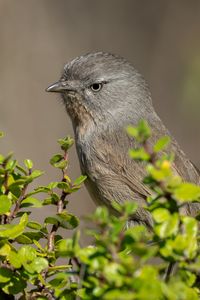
[[18, 203], [4, 217], [6, 183], [169, 271], [20, 199], [51, 238], [60, 207]]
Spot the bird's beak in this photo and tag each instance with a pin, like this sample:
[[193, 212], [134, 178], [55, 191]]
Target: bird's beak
[[59, 87], [55, 87]]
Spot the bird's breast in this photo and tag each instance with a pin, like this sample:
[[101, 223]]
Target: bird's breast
[[79, 113]]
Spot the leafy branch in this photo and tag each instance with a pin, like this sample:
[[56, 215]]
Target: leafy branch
[[120, 263]]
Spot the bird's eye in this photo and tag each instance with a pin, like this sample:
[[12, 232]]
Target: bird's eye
[[96, 87]]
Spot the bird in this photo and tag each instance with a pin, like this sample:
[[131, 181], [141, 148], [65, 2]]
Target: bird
[[103, 93]]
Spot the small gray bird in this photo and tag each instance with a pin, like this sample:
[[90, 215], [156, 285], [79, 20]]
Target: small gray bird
[[103, 93]]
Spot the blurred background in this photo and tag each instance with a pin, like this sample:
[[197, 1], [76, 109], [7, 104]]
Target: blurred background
[[37, 37]]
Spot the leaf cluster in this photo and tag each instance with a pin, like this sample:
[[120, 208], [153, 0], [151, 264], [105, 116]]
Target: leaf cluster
[[124, 262]]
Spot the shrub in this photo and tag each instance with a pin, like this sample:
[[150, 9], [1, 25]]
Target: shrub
[[121, 263]]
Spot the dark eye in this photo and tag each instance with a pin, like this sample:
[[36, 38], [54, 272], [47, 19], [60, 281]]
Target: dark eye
[[96, 87]]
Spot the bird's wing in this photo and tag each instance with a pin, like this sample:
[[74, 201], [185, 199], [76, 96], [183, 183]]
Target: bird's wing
[[114, 158], [198, 171], [113, 154], [118, 177], [114, 176], [183, 166]]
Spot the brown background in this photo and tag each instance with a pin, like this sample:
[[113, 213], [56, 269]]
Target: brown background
[[161, 38]]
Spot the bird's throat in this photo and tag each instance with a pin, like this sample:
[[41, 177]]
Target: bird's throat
[[81, 117]]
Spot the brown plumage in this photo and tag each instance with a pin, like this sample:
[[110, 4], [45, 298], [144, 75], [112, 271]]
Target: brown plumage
[[103, 94]]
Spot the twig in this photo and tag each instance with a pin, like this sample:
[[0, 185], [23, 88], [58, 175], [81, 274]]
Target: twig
[[169, 271], [60, 207], [18, 203], [19, 200]]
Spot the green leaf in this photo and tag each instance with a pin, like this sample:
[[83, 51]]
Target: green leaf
[[15, 190], [1, 158], [48, 201], [38, 265], [141, 133], [135, 233], [139, 154], [132, 131], [34, 235], [66, 143], [37, 244], [40, 189], [161, 215], [5, 275], [144, 129], [23, 239], [21, 213], [8, 157], [33, 202], [5, 248], [5, 204], [34, 225], [79, 180], [36, 174], [61, 165], [101, 214], [60, 280], [190, 226], [60, 268], [187, 192], [161, 143], [63, 185], [11, 164], [1, 134], [17, 182], [51, 220], [14, 259], [16, 186], [21, 169], [167, 225], [116, 206], [118, 294], [190, 232], [52, 185], [27, 254], [65, 220], [58, 161], [184, 246], [65, 248], [15, 285], [28, 163], [112, 272], [55, 159], [73, 189], [130, 207], [85, 254], [12, 231], [160, 174]]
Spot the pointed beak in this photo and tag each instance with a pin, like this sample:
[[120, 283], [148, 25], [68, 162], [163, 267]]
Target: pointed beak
[[59, 87], [55, 87]]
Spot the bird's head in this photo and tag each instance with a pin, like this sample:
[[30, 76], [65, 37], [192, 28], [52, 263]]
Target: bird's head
[[101, 87]]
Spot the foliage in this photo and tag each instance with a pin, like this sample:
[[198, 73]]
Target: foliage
[[121, 263]]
